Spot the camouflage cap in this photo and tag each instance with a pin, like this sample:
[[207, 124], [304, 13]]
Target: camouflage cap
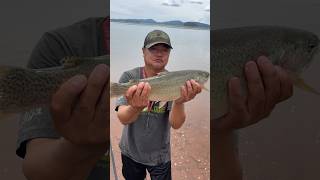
[[156, 37]]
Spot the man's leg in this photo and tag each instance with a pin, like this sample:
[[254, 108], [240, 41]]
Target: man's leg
[[160, 172], [132, 170]]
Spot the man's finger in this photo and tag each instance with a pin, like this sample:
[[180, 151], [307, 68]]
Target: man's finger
[[64, 98], [183, 92], [238, 111], [286, 85], [146, 90], [256, 94], [194, 85], [189, 88], [139, 89], [130, 92], [237, 114], [198, 87], [96, 83], [271, 83]]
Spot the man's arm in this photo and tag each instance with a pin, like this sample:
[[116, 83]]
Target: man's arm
[[265, 89], [80, 113], [177, 114]]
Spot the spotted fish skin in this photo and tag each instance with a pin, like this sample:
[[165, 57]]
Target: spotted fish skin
[[164, 87], [292, 49], [22, 89]]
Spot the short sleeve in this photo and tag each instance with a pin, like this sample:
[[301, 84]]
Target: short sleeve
[[126, 77], [36, 123]]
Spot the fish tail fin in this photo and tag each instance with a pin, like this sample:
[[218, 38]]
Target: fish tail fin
[[300, 83], [117, 89]]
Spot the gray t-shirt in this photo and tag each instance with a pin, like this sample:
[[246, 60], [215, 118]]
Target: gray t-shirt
[[146, 140]]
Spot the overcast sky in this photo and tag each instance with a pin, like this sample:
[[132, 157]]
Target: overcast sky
[[161, 10]]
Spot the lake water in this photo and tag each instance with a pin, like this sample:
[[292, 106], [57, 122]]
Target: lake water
[[191, 48]]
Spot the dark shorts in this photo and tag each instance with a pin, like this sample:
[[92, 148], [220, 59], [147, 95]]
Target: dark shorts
[[132, 170]]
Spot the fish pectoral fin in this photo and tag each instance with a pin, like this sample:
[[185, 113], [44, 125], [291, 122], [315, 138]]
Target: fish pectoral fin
[[300, 83], [205, 88], [162, 104], [162, 73]]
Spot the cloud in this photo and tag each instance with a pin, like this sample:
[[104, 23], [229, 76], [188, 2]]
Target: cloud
[[171, 3], [207, 8], [195, 2], [161, 10]]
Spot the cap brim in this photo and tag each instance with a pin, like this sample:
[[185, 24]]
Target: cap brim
[[158, 42]]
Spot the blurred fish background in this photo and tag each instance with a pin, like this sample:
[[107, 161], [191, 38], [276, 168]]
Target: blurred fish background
[[286, 145]]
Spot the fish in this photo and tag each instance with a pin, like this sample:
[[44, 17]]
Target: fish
[[166, 86], [231, 48], [23, 89]]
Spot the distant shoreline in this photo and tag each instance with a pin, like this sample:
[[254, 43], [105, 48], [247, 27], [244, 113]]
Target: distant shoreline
[[169, 24]]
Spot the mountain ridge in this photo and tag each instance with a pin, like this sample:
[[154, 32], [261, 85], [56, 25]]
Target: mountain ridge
[[172, 23]]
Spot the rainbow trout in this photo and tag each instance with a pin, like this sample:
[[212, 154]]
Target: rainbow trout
[[292, 49], [22, 89], [166, 86]]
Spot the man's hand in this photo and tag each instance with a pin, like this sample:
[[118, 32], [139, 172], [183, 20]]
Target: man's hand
[[80, 108], [267, 86], [177, 114], [137, 98], [188, 91], [137, 95]]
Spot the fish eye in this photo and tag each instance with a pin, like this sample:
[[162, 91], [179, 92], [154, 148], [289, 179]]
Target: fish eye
[[312, 44]]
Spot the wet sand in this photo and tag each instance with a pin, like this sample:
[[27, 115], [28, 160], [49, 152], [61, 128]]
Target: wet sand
[[190, 144]]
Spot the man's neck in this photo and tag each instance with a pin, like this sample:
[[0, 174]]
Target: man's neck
[[149, 72]]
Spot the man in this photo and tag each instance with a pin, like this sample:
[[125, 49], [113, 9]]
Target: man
[[67, 141], [145, 140]]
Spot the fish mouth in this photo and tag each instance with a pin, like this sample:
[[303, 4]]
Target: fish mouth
[[315, 52]]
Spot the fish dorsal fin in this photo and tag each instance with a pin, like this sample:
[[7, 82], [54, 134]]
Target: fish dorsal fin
[[299, 82], [205, 88], [162, 73], [70, 62]]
